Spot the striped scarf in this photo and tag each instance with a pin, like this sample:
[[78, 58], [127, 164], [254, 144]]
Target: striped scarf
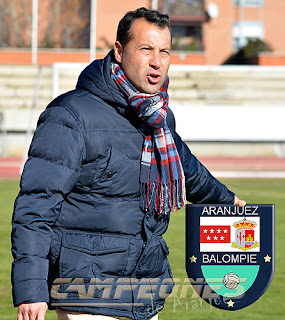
[[162, 186]]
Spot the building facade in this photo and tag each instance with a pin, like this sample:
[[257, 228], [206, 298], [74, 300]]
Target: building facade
[[215, 28], [204, 31]]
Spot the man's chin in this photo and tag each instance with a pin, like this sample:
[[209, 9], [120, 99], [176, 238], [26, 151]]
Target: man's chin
[[152, 88]]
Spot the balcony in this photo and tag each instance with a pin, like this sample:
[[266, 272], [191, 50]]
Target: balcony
[[191, 11]]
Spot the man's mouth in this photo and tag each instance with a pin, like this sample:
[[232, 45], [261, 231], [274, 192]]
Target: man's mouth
[[153, 78]]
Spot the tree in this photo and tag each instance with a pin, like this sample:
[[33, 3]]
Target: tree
[[244, 54], [61, 24], [15, 22]]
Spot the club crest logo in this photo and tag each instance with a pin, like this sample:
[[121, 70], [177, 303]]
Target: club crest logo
[[230, 252], [244, 235]]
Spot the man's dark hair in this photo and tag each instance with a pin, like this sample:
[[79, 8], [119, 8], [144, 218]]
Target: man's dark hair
[[152, 16]]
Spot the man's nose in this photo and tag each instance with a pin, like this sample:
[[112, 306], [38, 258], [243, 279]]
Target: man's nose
[[155, 61]]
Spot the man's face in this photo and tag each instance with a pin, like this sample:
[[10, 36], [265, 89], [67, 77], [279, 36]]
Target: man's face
[[146, 57]]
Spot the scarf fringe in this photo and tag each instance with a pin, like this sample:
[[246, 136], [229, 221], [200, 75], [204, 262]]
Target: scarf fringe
[[162, 198]]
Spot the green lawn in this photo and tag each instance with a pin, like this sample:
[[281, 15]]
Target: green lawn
[[269, 306]]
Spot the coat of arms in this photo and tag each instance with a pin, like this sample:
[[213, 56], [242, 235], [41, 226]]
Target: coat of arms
[[244, 235]]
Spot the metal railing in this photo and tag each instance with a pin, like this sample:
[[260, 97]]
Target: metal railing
[[190, 8]]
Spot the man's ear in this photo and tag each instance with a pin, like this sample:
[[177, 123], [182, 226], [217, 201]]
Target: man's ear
[[118, 51]]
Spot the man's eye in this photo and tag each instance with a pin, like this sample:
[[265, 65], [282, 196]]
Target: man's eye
[[165, 53]]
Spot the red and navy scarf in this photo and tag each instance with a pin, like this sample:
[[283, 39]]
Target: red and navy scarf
[[162, 184]]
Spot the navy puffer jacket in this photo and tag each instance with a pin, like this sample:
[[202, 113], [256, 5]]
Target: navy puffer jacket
[[80, 240]]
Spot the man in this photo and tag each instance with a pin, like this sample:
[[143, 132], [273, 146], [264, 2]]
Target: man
[[103, 173]]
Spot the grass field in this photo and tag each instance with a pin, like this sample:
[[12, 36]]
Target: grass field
[[270, 306]]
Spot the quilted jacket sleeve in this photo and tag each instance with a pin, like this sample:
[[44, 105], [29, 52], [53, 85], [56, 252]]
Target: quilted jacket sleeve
[[51, 171]]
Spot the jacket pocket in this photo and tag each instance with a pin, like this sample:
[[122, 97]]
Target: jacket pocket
[[85, 255], [93, 172], [120, 177], [104, 171], [152, 262], [111, 174]]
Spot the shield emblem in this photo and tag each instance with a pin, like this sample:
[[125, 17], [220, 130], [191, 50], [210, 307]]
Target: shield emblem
[[230, 252]]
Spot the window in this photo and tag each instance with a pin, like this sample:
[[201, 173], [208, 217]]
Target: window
[[188, 38], [249, 3], [246, 30]]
